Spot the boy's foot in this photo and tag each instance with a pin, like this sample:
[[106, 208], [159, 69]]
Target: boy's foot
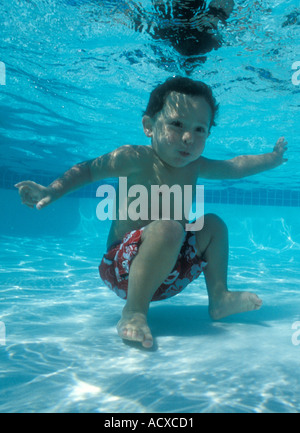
[[133, 326], [233, 303]]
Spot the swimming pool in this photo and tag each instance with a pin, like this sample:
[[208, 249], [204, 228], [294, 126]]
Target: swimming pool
[[76, 84]]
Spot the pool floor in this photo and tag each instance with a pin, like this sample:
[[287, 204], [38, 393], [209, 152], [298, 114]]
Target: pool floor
[[61, 352]]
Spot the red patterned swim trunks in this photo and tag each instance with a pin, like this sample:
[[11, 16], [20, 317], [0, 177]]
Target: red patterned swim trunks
[[115, 266]]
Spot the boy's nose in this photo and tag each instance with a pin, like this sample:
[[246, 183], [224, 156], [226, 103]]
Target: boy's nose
[[187, 138]]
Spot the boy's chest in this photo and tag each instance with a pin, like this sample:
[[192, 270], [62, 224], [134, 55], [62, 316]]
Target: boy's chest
[[159, 176], [166, 191]]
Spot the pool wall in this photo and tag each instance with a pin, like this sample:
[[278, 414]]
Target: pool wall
[[248, 224]]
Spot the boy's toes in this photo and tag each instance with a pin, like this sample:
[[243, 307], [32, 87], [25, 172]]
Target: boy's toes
[[148, 340], [134, 327], [259, 302], [141, 335], [255, 301], [129, 333]]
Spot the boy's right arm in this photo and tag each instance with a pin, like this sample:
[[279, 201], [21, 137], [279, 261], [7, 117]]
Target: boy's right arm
[[121, 162]]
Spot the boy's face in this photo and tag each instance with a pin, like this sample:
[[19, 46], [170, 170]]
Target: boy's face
[[180, 129]]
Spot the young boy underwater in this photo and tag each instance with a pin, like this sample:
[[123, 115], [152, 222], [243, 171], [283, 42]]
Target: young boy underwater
[[149, 260]]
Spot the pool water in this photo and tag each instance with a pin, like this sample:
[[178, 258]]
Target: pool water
[[63, 354], [63, 102]]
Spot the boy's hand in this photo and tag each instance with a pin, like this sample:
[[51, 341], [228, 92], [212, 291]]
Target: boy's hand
[[32, 194], [279, 150]]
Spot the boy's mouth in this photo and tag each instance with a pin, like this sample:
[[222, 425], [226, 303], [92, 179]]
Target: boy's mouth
[[183, 153]]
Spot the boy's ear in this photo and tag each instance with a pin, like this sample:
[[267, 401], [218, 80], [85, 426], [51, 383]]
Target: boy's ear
[[147, 125]]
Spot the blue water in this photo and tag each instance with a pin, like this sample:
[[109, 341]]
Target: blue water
[[77, 81]]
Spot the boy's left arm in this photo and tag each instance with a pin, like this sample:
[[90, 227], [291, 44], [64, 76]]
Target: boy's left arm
[[245, 165]]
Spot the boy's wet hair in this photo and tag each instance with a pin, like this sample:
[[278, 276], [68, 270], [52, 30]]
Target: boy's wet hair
[[187, 86]]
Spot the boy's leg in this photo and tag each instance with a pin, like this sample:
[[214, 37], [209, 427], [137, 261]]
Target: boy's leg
[[212, 246], [158, 252]]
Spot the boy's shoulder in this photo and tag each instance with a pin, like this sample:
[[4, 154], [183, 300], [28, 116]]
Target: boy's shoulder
[[133, 154], [133, 150], [126, 160], [123, 161]]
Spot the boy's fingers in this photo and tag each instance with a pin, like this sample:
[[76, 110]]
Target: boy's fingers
[[28, 203], [24, 183], [280, 140], [43, 203], [31, 194], [25, 191]]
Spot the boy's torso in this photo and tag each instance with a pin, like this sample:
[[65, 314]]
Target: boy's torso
[[152, 172]]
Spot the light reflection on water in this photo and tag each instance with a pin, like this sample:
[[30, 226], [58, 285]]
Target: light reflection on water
[[62, 353]]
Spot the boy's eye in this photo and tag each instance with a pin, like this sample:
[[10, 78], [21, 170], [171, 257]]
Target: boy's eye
[[176, 123], [201, 129]]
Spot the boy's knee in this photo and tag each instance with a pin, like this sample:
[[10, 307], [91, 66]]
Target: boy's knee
[[169, 232], [214, 221]]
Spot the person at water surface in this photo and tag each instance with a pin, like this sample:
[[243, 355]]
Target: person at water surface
[[151, 260], [190, 26]]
